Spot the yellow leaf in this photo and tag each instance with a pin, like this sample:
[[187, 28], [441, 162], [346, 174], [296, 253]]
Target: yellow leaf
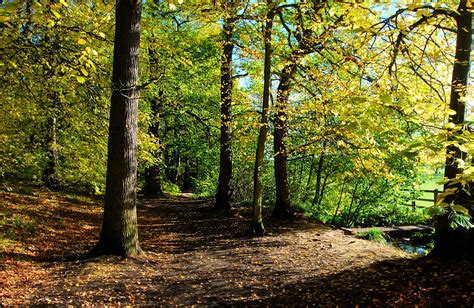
[[450, 125], [81, 41], [56, 14], [84, 72], [80, 79], [63, 2]]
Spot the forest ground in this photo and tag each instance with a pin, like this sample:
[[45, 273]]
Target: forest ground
[[195, 256]]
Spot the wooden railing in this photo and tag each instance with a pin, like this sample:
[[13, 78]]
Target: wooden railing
[[435, 198]]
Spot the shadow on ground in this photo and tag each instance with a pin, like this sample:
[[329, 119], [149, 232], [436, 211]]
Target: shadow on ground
[[197, 256]]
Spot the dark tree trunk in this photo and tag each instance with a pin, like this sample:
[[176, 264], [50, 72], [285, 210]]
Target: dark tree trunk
[[153, 173], [319, 176], [172, 166], [457, 243], [187, 176], [49, 177], [119, 235], [282, 208], [256, 225], [224, 188]]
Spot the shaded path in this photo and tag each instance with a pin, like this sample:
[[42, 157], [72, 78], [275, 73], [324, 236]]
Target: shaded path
[[196, 256]]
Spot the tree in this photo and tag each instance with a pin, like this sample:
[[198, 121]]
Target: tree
[[152, 186], [119, 235], [452, 241], [224, 188], [256, 225]]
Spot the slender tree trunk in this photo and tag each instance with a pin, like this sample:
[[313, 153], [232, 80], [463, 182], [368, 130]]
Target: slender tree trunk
[[224, 188], [319, 175], [187, 176], [119, 235], [457, 243], [172, 165], [153, 173], [310, 177], [256, 225], [49, 177], [341, 192], [282, 208]]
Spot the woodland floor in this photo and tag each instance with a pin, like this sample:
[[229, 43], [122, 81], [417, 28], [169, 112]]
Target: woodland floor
[[195, 256]]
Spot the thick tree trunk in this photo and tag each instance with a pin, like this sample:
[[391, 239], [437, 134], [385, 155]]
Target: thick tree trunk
[[119, 235], [457, 243], [256, 225], [153, 173], [282, 208], [224, 188]]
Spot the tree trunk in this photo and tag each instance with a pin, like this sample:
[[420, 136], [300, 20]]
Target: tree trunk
[[172, 165], [49, 177], [153, 173], [457, 243], [119, 235], [319, 175], [187, 185], [282, 208], [224, 188], [256, 225]]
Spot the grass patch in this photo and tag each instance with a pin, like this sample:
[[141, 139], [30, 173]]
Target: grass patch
[[374, 235]]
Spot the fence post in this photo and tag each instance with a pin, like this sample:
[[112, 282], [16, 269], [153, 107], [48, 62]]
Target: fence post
[[413, 205], [435, 196]]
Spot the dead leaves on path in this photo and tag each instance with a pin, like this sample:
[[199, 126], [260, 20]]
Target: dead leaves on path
[[196, 256]]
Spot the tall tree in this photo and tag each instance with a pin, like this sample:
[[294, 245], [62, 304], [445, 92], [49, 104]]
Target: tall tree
[[256, 225], [459, 242], [224, 188], [282, 208], [152, 186], [119, 235]]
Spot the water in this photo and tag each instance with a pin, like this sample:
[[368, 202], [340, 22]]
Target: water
[[417, 249]]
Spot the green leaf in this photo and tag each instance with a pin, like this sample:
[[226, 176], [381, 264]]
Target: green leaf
[[386, 98], [80, 79]]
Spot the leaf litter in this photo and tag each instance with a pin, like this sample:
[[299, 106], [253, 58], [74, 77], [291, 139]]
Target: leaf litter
[[196, 256]]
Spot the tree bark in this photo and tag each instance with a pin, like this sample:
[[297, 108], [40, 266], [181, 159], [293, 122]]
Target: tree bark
[[457, 243], [119, 235], [256, 225], [282, 208], [153, 173], [319, 175], [49, 177], [224, 188]]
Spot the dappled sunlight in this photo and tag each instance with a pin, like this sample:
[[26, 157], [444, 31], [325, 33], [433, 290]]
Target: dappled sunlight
[[195, 256]]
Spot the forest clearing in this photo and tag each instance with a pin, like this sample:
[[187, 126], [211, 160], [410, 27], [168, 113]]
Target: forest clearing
[[243, 152], [194, 256]]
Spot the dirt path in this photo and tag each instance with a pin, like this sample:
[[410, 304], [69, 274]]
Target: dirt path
[[196, 256]]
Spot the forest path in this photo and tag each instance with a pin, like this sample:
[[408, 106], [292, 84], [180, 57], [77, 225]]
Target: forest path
[[197, 256]]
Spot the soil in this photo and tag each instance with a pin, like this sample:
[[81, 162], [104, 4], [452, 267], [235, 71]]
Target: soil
[[194, 256]]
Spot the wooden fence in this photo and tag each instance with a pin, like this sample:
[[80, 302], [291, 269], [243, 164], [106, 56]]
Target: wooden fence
[[435, 198]]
